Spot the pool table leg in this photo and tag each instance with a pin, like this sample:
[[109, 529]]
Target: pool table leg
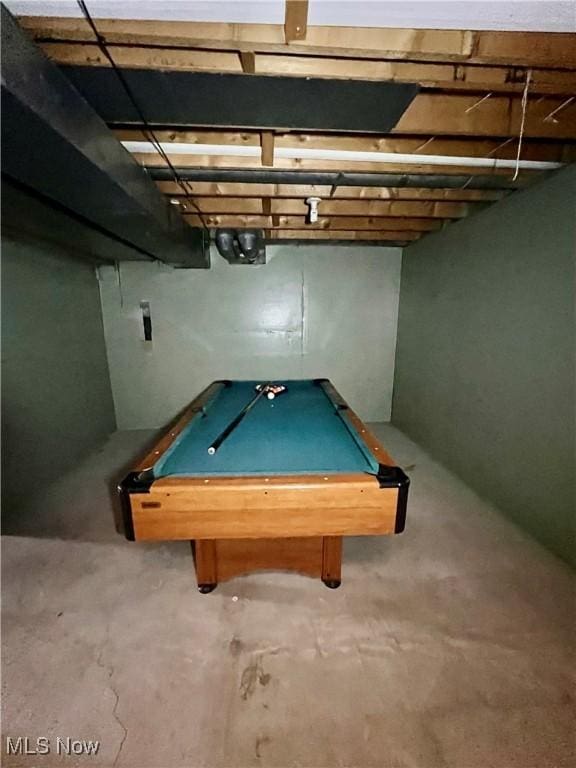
[[204, 553], [206, 562], [332, 561]]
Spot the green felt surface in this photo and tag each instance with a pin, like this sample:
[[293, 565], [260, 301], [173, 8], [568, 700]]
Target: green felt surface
[[299, 432]]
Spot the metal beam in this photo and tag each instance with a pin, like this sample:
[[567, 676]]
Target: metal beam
[[27, 217], [56, 146], [244, 101]]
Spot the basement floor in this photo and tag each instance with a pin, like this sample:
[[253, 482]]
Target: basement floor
[[446, 647]]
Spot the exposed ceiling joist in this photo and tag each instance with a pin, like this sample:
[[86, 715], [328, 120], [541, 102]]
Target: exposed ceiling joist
[[547, 151], [239, 189], [267, 141], [447, 76], [331, 207], [295, 20], [41, 109], [247, 63], [379, 224], [558, 15], [439, 114], [251, 151], [248, 101], [315, 234], [310, 154], [523, 49]]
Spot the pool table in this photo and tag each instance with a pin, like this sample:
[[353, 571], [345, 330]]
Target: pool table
[[297, 474]]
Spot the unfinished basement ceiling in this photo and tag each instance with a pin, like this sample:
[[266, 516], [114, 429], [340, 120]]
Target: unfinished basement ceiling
[[495, 110], [530, 15]]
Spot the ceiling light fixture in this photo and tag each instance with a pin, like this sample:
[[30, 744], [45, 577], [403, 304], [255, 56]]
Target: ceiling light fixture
[[313, 212]]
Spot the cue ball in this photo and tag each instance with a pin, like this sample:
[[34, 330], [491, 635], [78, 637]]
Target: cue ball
[[270, 395], [211, 451]]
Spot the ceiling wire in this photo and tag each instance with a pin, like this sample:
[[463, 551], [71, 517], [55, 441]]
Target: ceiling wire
[[523, 122], [147, 130], [550, 118]]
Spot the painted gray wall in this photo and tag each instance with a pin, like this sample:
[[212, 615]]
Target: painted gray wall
[[486, 351], [56, 395], [309, 312]]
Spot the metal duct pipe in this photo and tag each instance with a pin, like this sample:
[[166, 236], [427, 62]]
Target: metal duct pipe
[[329, 178], [241, 246]]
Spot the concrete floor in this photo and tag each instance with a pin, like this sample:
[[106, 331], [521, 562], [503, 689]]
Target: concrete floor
[[448, 646]]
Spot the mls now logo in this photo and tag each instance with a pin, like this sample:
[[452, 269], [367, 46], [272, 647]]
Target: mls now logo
[[23, 745]]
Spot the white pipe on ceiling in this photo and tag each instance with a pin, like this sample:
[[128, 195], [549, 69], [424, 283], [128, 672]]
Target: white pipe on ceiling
[[302, 153]]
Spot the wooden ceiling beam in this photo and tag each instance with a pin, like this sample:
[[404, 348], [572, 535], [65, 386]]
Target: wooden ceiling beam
[[248, 62], [437, 76], [295, 20], [307, 234], [464, 115], [298, 207], [548, 151], [360, 223], [233, 189], [441, 114], [281, 226], [524, 49], [451, 77], [267, 148]]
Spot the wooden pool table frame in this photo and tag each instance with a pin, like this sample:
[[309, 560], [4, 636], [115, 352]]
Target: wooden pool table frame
[[285, 522]]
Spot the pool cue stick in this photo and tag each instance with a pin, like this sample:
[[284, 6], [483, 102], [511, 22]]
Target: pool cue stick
[[236, 420]]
